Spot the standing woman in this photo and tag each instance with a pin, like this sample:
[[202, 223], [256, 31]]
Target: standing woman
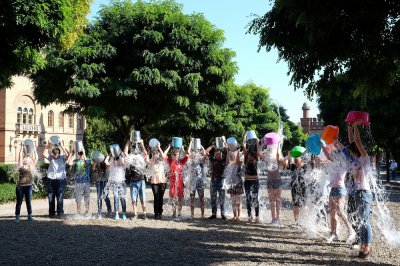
[[24, 186], [158, 179], [236, 184], [100, 174], [274, 182], [361, 172], [117, 184], [251, 182]]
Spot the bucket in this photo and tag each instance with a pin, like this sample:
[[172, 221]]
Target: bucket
[[78, 146], [135, 136], [29, 147], [219, 143], [196, 144], [55, 140], [313, 144], [271, 138], [176, 142], [153, 144], [353, 116], [115, 150], [251, 135], [297, 151], [98, 157], [232, 144], [329, 134]]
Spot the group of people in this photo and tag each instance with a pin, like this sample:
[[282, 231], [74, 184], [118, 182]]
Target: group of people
[[227, 167]]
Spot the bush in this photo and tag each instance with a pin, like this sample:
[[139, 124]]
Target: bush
[[7, 192], [8, 173]]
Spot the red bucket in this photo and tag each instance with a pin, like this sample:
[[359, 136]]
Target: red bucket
[[329, 134], [353, 116]]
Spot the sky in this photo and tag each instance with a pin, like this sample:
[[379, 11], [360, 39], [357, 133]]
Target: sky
[[260, 67]]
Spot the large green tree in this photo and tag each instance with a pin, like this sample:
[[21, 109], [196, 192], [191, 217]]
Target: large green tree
[[321, 39], [26, 27], [142, 65]]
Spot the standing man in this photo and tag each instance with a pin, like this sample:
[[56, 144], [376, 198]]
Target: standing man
[[218, 163], [56, 177]]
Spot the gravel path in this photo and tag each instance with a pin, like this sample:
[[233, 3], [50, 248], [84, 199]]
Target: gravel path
[[85, 240]]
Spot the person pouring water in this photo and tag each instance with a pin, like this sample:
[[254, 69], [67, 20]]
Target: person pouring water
[[56, 174]]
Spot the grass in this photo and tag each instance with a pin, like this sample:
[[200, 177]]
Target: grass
[[7, 192]]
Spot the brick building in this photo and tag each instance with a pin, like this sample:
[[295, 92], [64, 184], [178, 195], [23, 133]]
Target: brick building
[[309, 124], [21, 117]]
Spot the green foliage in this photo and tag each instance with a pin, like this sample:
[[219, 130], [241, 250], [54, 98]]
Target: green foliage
[[26, 27], [321, 39], [7, 192], [8, 173]]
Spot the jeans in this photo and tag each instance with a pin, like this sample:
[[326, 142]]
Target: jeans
[[363, 201], [100, 185], [138, 187], [251, 188], [216, 187], [22, 191], [55, 189], [120, 193], [158, 193]]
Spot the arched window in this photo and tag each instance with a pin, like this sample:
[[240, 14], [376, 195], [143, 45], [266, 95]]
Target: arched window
[[50, 119], [24, 115], [71, 121], [61, 120], [19, 115], [30, 116], [71, 145]]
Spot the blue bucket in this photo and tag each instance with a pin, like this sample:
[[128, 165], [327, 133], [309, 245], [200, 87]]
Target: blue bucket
[[251, 135], [176, 142], [232, 144], [313, 144]]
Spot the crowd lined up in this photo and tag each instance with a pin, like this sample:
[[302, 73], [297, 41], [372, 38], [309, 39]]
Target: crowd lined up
[[233, 171]]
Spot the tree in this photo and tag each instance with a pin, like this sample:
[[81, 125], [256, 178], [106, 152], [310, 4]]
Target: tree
[[26, 27], [142, 66], [321, 39]]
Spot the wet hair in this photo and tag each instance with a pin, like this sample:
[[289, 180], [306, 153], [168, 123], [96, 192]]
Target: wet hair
[[353, 148], [56, 151]]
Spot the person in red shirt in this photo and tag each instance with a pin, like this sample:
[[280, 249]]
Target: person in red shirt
[[176, 165]]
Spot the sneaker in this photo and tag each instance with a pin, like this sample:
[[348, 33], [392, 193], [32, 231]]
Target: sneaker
[[116, 217], [109, 213], [363, 255], [332, 238], [17, 219], [212, 217], [30, 218], [123, 216], [160, 217], [224, 217], [144, 216], [355, 246], [156, 216]]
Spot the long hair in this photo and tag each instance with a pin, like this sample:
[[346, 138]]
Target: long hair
[[353, 148]]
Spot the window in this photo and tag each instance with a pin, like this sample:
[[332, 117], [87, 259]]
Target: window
[[71, 145], [50, 119], [79, 123], [71, 121], [30, 116], [19, 114], [61, 120], [24, 115]]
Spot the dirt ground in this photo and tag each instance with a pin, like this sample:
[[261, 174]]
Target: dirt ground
[[87, 240]]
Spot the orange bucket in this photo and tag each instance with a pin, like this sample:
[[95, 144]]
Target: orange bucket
[[329, 134]]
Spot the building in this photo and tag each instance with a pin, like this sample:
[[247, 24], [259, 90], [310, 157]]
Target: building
[[21, 117], [309, 124]]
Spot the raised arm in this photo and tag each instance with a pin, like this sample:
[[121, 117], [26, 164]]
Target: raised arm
[[20, 156], [64, 150], [126, 148], [144, 149], [45, 152], [107, 160], [190, 146], [35, 157], [350, 134], [165, 153], [357, 139]]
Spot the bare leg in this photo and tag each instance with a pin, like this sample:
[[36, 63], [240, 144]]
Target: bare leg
[[192, 206], [180, 204], [272, 204], [296, 213], [332, 212], [202, 207], [278, 201], [78, 207]]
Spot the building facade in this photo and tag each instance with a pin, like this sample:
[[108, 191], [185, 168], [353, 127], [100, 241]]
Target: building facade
[[21, 117], [309, 124]]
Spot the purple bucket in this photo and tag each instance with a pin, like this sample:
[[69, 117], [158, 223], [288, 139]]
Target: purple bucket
[[271, 138]]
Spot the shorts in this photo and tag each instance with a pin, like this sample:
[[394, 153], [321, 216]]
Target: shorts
[[82, 190], [199, 187], [338, 192], [274, 183], [176, 191], [138, 188]]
